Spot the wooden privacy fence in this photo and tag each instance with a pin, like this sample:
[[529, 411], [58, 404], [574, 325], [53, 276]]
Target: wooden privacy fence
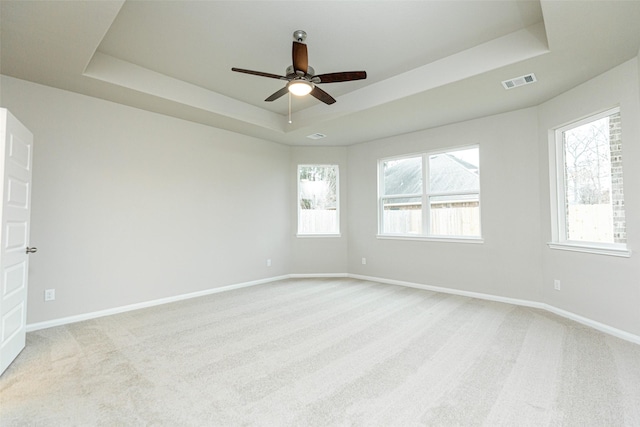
[[459, 221], [318, 221], [593, 223]]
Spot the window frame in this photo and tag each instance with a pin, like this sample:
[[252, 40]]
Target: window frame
[[425, 196], [557, 180], [336, 233]]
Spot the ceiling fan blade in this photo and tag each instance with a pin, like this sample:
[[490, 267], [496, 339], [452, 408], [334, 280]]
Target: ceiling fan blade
[[300, 58], [322, 96], [277, 94], [344, 76], [259, 73]]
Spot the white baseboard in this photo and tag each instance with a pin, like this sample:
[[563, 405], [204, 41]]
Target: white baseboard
[[317, 275], [137, 306], [526, 303], [478, 295], [619, 333]]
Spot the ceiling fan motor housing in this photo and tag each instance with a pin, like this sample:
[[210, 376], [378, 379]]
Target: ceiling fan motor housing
[[291, 72]]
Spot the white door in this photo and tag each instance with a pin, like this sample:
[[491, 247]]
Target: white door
[[16, 152]]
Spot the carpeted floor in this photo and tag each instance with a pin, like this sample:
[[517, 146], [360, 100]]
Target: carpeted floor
[[324, 352]]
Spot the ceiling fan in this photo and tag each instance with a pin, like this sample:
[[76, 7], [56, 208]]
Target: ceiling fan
[[301, 77]]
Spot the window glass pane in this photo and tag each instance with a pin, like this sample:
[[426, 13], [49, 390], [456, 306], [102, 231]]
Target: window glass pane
[[454, 171], [455, 215], [402, 176], [452, 192], [594, 207], [402, 215], [317, 196]]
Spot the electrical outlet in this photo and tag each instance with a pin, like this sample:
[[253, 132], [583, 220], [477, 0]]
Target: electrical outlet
[[269, 262], [556, 285], [49, 294], [364, 261]]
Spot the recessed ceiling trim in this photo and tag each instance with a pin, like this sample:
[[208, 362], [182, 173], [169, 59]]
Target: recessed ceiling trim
[[122, 73], [510, 49], [506, 50]]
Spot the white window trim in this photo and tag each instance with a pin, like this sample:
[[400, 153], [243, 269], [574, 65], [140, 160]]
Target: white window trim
[[557, 193], [425, 200], [328, 234], [611, 250], [419, 237], [318, 235]]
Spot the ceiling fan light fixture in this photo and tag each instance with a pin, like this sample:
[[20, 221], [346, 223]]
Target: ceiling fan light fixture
[[300, 87]]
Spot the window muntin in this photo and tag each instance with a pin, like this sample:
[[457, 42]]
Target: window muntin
[[438, 192], [590, 206], [318, 212]]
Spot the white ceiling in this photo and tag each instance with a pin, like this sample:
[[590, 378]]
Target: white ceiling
[[429, 63]]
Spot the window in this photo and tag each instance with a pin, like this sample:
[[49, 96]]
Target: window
[[430, 195], [588, 181], [318, 200]]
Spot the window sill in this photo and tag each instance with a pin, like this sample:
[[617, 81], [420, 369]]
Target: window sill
[[592, 249], [304, 236], [473, 240]]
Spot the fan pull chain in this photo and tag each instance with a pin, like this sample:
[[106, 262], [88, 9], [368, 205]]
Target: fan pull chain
[[289, 107]]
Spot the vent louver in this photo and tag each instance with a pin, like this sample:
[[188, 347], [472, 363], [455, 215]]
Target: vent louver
[[316, 136], [519, 81]]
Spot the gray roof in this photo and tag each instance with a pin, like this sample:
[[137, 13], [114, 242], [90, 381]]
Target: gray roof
[[447, 173]]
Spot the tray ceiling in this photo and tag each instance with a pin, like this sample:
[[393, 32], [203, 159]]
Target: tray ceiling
[[428, 62]]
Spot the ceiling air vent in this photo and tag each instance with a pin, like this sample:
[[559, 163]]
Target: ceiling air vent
[[316, 136], [519, 81]]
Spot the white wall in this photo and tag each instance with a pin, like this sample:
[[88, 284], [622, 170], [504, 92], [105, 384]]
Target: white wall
[[130, 206], [514, 260], [508, 262], [320, 255], [602, 288]]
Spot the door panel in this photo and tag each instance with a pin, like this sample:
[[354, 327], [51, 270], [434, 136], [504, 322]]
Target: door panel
[[19, 151], [12, 322], [18, 193], [16, 236], [14, 279]]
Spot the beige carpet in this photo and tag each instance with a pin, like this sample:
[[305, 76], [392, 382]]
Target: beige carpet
[[324, 352]]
